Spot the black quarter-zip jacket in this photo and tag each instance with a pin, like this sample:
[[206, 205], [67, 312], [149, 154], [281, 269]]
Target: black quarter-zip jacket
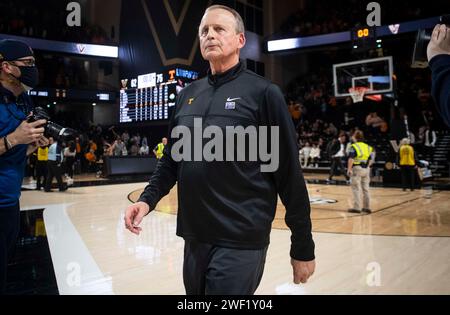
[[233, 204]]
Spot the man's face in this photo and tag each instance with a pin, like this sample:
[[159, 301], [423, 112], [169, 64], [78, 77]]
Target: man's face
[[218, 38], [164, 141], [51, 140], [12, 67]]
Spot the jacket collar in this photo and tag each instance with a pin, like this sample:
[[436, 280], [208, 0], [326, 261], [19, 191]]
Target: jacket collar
[[6, 96], [219, 79]]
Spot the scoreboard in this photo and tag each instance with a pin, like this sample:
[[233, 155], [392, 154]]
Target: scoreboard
[[147, 104], [151, 97], [363, 38]]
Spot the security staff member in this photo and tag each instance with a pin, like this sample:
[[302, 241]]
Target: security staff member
[[159, 149], [41, 167], [361, 158], [226, 209], [18, 138], [55, 158], [407, 164]]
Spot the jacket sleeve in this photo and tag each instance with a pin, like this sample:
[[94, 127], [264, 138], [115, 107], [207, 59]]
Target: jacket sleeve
[[165, 175], [440, 67], [288, 177]]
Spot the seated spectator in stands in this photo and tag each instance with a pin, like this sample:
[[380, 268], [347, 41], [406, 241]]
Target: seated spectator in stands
[[374, 121], [412, 138], [304, 154], [144, 141], [144, 150], [294, 110], [331, 130], [118, 147], [92, 145], [314, 155], [134, 149], [125, 137], [124, 150], [320, 143], [107, 149]]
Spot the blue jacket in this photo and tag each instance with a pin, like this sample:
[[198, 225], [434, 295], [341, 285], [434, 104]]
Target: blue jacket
[[13, 162], [440, 67]]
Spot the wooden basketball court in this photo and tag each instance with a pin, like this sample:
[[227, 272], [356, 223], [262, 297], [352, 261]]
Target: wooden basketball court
[[404, 243]]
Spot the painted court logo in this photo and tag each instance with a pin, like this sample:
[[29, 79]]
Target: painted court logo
[[321, 201]]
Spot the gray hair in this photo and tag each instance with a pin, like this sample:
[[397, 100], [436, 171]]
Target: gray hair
[[405, 141], [240, 27]]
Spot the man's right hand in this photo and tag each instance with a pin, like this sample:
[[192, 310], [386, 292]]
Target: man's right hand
[[27, 132], [134, 215]]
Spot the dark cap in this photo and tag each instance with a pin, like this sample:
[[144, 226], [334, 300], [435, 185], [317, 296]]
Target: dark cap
[[13, 49]]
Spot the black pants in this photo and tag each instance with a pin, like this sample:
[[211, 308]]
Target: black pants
[[408, 176], [54, 170], [41, 173], [337, 168], [9, 230], [213, 270], [69, 165]]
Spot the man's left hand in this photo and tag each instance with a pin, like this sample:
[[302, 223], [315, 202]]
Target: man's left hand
[[440, 42], [42, 142], [303, 270]]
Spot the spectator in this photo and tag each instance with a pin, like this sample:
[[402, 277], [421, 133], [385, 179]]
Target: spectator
[[118, 147], [144, 150], [315, 155], [305, 154], [91, 158], [69, 156], [430, 142], [134, 150]]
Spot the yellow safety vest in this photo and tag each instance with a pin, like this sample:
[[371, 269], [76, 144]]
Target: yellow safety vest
[[160, 151], [363, 152], [407, 155], [42, 154]]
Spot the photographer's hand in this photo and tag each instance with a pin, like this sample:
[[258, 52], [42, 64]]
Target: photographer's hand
[[27, 132], [440, 42], [41, 142]]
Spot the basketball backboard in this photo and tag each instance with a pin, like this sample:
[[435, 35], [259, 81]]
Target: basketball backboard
[[374, 74]]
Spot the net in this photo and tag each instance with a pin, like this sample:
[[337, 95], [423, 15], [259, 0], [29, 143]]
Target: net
[[357, 93]]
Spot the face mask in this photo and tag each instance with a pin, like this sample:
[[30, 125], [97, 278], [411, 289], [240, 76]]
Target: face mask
[[29, 78]]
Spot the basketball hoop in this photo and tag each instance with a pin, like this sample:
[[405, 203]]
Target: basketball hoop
[[357, 93]]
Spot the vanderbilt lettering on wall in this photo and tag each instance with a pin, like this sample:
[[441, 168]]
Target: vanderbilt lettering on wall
[[178, 43]]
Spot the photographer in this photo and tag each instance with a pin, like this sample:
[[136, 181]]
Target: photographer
[[439, 60], [18, 138]]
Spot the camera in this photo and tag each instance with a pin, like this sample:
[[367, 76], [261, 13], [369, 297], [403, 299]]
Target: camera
[[423, 38], [52, 129]]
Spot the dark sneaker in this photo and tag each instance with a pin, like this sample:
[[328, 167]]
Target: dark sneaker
[[354, 211], [368, 211]]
